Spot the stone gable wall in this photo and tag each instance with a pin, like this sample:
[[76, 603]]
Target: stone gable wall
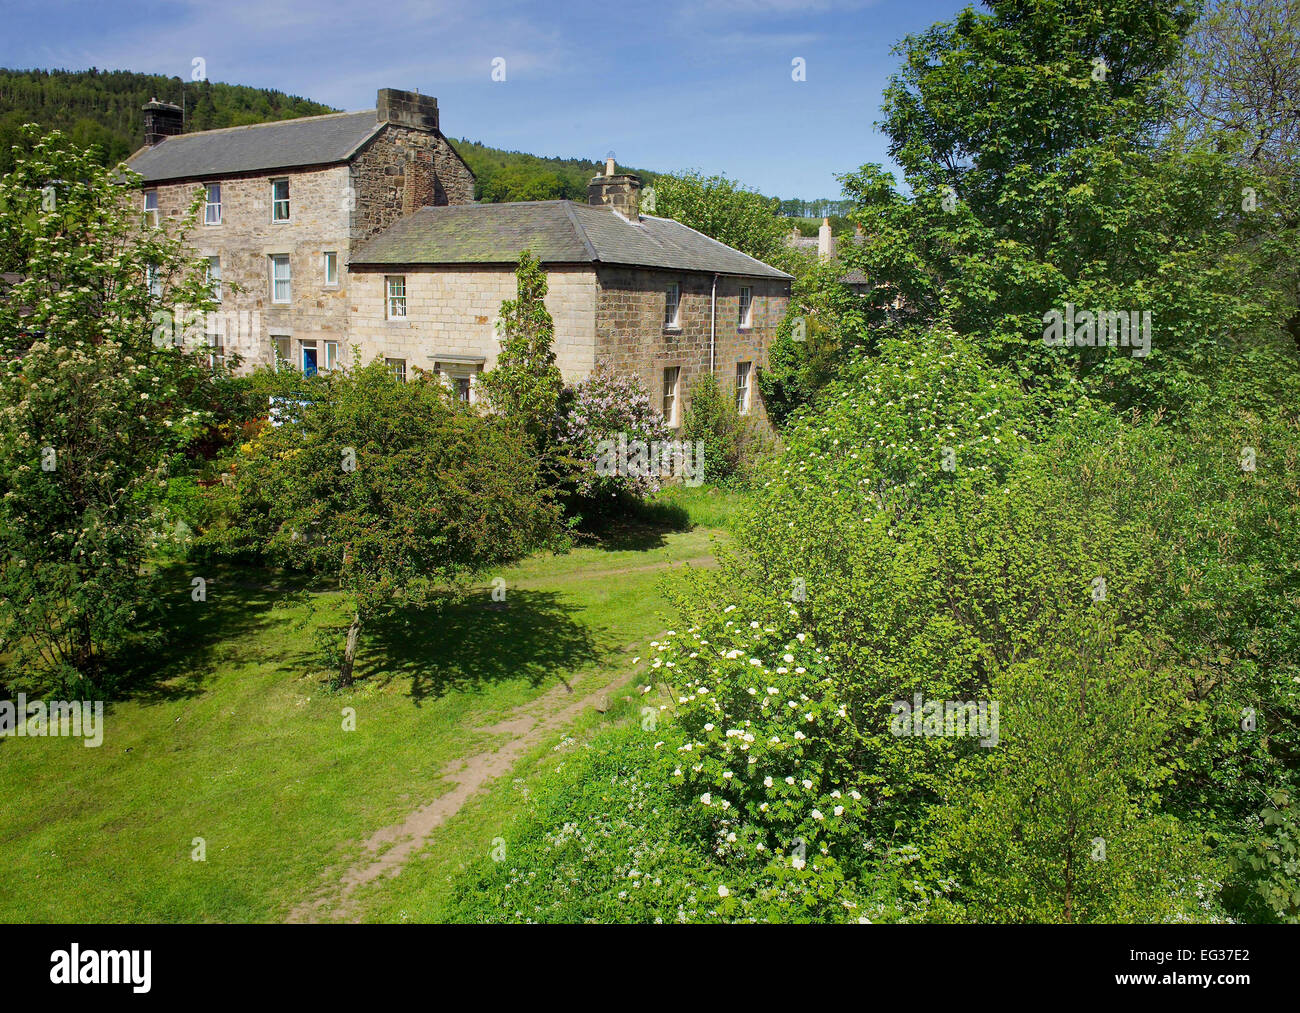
[[401, 170], [245, 240], [632, 337]]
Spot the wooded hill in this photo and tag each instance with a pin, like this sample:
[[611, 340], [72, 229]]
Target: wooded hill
[[102, 107]]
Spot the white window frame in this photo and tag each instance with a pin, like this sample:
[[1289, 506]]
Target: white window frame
[[277, 201], [153, 280], [673, 303], [151, 216], [745, 307], [671, 400], [330, 355], [330, 265], [397, 367], [276, 259], [394, 303], [209, 217], [281, 360], [744, 372], [214, 278]]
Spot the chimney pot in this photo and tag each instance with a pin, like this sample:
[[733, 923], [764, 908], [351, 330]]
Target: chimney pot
[[825, 241]]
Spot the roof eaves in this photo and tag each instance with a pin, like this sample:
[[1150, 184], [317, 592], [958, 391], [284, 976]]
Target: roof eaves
[[362, 144]]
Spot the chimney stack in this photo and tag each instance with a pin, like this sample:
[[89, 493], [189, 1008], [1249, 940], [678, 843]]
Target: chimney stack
[[162, 120], [825, 241], [407, 109], [619, 190]]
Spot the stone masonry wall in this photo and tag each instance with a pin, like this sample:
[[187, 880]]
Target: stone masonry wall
[[452, 311], [401, 170], [247, 238], [331, 209], [632, 337]]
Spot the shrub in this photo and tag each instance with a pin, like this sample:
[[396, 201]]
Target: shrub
[[714, 421], [607, 406]]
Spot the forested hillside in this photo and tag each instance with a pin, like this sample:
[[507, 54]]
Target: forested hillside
[[516, 175], [103, 106]]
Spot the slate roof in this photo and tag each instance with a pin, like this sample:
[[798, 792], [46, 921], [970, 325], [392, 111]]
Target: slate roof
[[557, 232], [285, 144]]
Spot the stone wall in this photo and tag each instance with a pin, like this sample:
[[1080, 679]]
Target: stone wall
[[401, 170], [452, 312], [632, 337], [319, 221], [331, 210]]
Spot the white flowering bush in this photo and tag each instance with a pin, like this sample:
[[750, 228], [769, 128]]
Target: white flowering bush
[[94, 415]]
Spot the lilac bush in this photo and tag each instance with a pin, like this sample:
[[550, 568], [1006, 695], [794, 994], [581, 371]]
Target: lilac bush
[[605, 406]]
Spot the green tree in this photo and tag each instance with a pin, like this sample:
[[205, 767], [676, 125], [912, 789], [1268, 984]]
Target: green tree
[[714, 420], [1029, 139], [526, 385], [726, 211], [100, 395], [398, 490]]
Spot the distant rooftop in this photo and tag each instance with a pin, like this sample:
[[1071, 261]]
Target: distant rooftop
[[557, 232], [283, 144]]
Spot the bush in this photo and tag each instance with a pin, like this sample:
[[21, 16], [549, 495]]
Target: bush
[[604, 407], [1109, 585], [714, 421]]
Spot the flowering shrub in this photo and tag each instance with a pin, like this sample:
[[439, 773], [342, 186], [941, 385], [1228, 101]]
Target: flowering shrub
[[605, 406]]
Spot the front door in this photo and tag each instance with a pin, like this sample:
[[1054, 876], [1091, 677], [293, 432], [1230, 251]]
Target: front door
[[309, 360]]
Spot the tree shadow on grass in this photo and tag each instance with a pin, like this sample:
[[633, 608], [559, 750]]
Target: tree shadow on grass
[[637, 527], [240, 603], [462, 647]]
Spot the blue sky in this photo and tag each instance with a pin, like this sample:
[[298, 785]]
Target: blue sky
[[670, 84]]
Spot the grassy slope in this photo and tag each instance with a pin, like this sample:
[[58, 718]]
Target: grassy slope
[[236, 740]]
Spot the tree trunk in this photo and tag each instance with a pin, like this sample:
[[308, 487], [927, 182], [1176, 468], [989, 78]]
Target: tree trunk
[[350, 651]]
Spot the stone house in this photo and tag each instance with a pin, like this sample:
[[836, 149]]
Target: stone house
[[285, 205], [631, 292], [356, 233]]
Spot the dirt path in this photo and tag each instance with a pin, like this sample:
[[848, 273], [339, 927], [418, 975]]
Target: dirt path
[[529, 724]]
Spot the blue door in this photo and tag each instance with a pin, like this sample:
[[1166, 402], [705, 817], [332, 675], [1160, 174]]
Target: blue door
[[308, 361]]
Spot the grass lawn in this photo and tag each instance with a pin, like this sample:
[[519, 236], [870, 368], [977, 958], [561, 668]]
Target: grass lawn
[[234, 737]]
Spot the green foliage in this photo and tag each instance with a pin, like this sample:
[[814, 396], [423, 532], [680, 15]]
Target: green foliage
[[608, 841], [1036, 179], [824, 323], [97, 414], [1269, 863], [505, 176], [1104, 582], [714, 421], [401, 492], [525, 385], [103, 108], [726, 211]]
